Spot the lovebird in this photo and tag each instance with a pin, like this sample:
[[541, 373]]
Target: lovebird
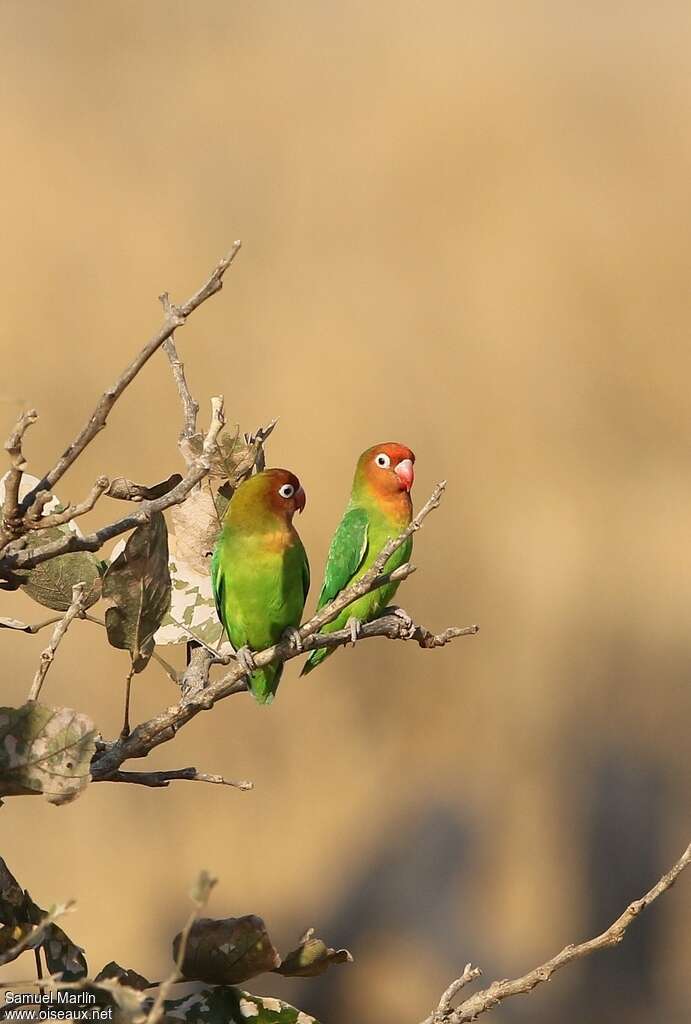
[[259, 572], [379, 509]]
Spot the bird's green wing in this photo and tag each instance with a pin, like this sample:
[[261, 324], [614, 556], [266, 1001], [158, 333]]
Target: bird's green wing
[[218, 583], [346, 554], [305, 574]]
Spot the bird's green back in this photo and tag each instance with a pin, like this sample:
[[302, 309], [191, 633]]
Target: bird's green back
[[365, 528]]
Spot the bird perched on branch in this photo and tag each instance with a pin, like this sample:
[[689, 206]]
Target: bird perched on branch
[[378, 510], [260, 573]]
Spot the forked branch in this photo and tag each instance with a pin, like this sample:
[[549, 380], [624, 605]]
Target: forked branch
[[481, 1002]]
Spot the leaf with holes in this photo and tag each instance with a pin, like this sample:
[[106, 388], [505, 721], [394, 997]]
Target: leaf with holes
[[233, 1006], [138, 585], [45, 750], [192, 611]]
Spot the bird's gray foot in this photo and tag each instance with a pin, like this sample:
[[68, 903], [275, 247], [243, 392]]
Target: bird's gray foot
[[245, 659], [293, 634], [408, 624], [355, 627]]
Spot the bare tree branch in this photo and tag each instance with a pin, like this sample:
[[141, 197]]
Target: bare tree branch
[[159, 780], [11, 512], [75, 609], [93, 541], [175, 317], [72, 511], [481, 1002], [200, 695], [470, 973]]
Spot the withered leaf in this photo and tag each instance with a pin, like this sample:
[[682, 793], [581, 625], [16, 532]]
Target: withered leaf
[[6, 623], [127, 490], [138, 584], [311, 957], [196, 526], [228, 951], [192, 608], [231, 452], [45, 750], [50, 583]]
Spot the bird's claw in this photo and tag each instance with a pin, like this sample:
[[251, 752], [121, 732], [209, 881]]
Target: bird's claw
[[245, 659], [355, 627], [293, 634], [408, 624]]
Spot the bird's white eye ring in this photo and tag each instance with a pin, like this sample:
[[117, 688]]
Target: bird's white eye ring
[[383, 460], [287, 491]]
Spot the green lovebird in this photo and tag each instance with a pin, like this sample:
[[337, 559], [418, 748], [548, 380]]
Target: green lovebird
[[259, 571], [379, 509]]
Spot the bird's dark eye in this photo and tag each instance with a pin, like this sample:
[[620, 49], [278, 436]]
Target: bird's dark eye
[[287, 491], [383, 460]]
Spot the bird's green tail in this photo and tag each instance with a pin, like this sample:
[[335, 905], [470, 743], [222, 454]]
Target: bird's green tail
[[316, 658], [264, 683]]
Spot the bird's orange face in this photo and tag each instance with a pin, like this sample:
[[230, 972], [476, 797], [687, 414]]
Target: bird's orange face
[[388, 467], [284, 492]]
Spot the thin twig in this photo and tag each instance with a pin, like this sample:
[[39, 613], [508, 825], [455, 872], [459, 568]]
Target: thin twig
[[189, 405], [498, 991], [128, 690], [75, 609], [200, 897], [39, 968], [167, 667], [175, 317], [470, 973], [160, 780], [72, 511], [11, 512]]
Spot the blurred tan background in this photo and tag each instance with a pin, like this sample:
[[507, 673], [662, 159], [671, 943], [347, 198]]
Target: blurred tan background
[[465, 227]]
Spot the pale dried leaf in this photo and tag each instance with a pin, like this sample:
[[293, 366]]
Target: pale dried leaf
[[196, 526], [45, 750], [192, 607]]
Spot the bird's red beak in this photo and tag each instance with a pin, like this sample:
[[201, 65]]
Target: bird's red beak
[[405, 473], [300, 499]]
